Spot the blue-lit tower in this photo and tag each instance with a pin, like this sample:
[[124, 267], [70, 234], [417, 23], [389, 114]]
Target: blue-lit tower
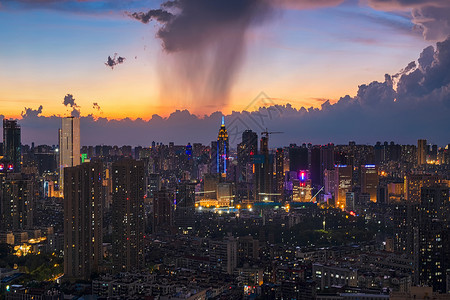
[[222, 150]]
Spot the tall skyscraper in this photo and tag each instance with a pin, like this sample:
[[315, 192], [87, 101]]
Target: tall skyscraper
[[223, 149], [128, 215], [12, 148], [326, 160], [263, 164], [83, 220], [279, 172], [421, 152], [69, 147]]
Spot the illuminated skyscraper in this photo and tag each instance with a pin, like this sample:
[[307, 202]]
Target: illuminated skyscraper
[[369, 181], [223, 150], [421, 152], [83, 220], [11, 144], [69, 147]]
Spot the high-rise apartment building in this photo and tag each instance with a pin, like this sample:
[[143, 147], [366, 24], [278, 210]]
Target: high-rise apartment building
[[83, 220], [12, 144], [162, 211], [128, 215], [16, 200], [434, 237], [69, 147]]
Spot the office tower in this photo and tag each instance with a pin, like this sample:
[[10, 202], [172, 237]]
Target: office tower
[[223, 150], [245, 152], [434, 237], [223, 255], [83, 220], [343, 181], [69, 147], [279, 172], [12, 148], [162, 211], [246, 149], [185, 206], [263, 165], [16, 200], [128, 215], [369, 181], [298, 158], [421, 152]]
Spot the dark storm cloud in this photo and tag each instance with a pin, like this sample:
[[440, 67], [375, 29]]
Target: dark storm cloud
[[114, 61], [206, 40]]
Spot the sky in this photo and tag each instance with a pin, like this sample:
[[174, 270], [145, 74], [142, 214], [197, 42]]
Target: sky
[[138, 71]]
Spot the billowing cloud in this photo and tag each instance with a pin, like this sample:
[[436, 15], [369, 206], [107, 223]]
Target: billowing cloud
[[418, 108], [206, 41], [69, 100], [31, 113]]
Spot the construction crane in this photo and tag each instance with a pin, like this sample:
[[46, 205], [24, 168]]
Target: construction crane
[[266, 133]]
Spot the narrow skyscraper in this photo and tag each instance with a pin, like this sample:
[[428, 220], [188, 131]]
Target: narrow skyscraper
[[69, 147], [82, 220]]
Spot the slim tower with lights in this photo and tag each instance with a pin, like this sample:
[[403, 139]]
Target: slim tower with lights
[[222, 150]]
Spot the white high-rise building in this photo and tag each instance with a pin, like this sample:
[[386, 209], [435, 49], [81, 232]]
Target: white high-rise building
[[69, 147]]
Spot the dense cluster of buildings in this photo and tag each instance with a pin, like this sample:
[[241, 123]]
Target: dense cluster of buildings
[[205, 221]]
